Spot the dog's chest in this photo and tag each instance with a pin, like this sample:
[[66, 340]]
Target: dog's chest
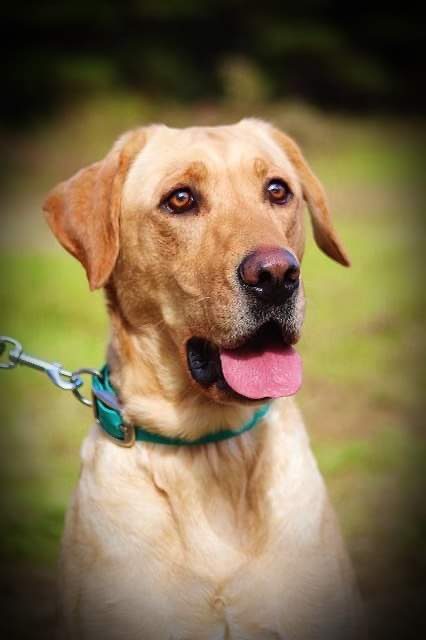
[[197, 580], [182, 551]]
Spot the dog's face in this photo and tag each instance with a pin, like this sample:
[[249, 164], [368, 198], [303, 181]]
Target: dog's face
[[200, 231]]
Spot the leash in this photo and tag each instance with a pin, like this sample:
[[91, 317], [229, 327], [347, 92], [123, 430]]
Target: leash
[[12, 355], [104, 399]]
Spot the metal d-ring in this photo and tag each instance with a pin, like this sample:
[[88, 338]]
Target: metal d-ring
[[76, 377]]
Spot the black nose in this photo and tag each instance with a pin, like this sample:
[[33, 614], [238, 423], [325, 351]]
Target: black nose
[[271, 273]]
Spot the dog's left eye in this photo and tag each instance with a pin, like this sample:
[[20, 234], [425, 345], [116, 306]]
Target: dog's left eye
[[278, 191], [179, 201]]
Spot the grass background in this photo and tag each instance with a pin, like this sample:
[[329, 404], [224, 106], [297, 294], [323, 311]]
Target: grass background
[[362, 345]]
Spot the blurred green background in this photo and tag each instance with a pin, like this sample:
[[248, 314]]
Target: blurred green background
[[347, 90]]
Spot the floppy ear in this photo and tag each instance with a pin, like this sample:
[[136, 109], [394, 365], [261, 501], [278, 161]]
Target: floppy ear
[[314, 194], [83, 212]]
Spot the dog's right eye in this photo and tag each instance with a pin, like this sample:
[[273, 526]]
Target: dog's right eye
[[179, 201]]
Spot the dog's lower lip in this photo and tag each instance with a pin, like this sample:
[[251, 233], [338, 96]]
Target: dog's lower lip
[[203, 361], [204, 364]]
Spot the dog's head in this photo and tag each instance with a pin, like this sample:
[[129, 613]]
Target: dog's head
[[201, 230]]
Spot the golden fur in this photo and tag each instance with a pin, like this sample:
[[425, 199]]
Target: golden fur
[[234, 539]]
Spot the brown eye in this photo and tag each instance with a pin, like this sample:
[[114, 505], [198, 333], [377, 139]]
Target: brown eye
[[279, 192], [179, 201]]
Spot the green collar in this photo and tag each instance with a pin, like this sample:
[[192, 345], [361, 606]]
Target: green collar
[[108, 415]]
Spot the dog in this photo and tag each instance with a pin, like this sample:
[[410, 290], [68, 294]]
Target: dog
[[197, 237]]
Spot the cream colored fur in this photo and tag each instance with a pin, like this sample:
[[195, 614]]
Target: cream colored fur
[[234, 540]]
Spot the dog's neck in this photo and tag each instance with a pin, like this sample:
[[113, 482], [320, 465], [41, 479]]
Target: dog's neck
[[156, 392]]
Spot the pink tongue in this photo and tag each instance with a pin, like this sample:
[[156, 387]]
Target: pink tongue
[[266, 373]]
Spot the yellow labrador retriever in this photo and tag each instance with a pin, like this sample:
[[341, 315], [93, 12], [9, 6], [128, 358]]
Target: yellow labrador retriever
[[213, 522]]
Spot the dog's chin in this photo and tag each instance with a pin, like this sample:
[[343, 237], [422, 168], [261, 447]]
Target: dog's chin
[[207, 360]]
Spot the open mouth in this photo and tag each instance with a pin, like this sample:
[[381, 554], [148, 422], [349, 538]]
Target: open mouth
[[265, 366]]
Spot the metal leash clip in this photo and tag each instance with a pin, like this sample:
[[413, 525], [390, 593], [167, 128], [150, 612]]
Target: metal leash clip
[[61, 378]]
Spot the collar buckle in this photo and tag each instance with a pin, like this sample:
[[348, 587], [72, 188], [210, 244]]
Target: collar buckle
[[129, 436]]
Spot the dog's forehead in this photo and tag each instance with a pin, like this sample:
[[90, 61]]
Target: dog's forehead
[[246, 148]]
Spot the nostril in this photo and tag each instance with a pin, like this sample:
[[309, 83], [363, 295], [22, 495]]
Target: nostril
[[264, 277], [292, 275]]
